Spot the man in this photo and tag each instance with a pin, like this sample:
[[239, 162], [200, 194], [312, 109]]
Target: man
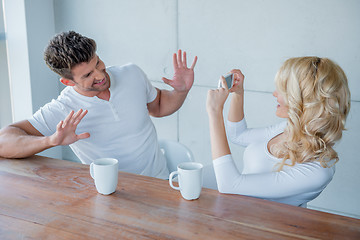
[[112, 108]]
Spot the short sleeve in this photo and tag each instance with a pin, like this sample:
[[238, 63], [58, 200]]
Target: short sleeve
[[151, 91], [47, 117]]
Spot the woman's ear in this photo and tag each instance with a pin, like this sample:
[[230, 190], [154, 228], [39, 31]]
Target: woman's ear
[[67, 82]]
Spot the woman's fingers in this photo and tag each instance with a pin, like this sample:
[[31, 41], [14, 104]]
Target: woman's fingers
[[238, 75], [224, 84]]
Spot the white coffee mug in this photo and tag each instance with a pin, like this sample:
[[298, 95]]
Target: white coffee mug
[[105, 172], [190, 179]]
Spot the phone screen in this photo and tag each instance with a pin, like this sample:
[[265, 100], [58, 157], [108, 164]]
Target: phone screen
[[229, 80]]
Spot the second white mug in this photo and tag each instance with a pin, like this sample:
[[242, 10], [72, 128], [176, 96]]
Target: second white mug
[[189, 178], [105, 173]]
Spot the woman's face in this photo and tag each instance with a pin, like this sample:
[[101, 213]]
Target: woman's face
[[282, 109]]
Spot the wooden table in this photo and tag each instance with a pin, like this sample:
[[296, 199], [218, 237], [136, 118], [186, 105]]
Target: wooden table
[[44, 198]]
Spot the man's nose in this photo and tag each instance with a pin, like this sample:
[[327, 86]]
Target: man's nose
[[98, 74]]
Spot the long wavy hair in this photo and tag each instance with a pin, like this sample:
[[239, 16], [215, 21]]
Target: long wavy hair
[[318, 98]]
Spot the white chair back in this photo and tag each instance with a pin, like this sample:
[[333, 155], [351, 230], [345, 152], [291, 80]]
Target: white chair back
[[175, 153]]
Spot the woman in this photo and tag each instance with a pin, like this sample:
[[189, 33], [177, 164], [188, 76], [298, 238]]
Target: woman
[[293, 161]]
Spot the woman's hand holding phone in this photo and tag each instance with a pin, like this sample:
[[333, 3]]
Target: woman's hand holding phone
[[229, 79], [238, 81], [216, 98]]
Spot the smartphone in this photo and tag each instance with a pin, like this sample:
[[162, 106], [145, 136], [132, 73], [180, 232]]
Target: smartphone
[[229, 78]]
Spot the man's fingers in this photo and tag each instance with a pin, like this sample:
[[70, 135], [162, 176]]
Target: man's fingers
[[179, 61], [75, 116], [59, 126], [175, 63], [80, 117], [167, 81], [83, 135], [69, 116], [184, 60], [194, 63], [67, 119]]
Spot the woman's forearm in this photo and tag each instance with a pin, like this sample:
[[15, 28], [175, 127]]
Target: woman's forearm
[[236, 112], [219, 143]]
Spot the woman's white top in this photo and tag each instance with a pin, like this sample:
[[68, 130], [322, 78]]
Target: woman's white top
[[294, 185]]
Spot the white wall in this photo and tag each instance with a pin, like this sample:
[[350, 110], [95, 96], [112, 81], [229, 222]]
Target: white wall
[[44, 83], [29, 25], [256, 36], [17, 58], [5, 106]]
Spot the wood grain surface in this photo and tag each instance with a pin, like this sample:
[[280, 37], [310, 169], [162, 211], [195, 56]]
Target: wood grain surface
[[44, 198]]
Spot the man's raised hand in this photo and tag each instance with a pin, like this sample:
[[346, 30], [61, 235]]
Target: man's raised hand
[[183, 77], [65, 130]]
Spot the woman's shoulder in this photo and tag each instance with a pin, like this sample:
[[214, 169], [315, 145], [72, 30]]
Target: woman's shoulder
[[275, 129], [278, 127]]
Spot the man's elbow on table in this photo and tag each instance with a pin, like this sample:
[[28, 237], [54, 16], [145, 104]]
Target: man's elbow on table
[[7, 151], [4, 144], [12, 144]]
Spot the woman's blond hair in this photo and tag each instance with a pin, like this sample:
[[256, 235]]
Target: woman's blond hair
[[318, 97]]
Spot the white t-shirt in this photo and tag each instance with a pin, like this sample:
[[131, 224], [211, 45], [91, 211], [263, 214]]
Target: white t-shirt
[[120, 128], [294, 185]]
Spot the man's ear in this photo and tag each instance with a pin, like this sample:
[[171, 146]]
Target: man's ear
[[67, 82]]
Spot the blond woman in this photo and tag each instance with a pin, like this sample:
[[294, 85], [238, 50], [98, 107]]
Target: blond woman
[[293, 161]]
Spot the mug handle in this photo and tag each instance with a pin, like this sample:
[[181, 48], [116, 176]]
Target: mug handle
[[171, 178], [92, 170]]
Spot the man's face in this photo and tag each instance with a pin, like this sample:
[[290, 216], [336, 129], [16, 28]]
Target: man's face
[[91, 78]]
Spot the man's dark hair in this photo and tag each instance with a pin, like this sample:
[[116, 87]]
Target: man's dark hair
[[66, 50]]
